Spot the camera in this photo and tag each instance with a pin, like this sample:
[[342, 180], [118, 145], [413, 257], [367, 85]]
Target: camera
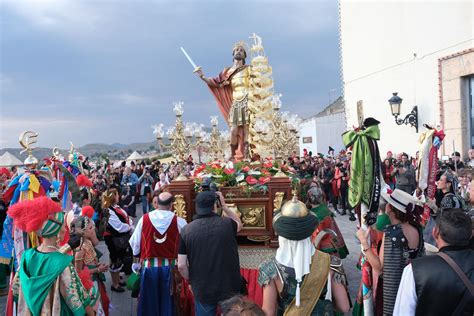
[[208, 185]]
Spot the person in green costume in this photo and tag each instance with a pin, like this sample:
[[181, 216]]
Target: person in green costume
[[301, 280], [47, 282], [331, 244]]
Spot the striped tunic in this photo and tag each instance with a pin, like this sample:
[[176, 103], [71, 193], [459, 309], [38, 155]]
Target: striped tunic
[[397, 256]]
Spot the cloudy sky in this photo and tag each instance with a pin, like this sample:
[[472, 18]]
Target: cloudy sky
[[106, 71]]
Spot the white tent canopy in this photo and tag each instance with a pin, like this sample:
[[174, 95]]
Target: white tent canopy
[[135, 156], [8, 160]]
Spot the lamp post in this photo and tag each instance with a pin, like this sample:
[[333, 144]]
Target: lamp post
[[395, 105], [281, 133], [180, 137]]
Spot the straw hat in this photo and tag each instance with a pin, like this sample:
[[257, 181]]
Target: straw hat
[[401, 200]]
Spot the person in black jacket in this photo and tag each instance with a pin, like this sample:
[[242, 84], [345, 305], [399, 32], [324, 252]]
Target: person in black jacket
[[429, 285], [208, 255]]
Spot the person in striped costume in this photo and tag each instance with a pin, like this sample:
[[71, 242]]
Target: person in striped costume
[[155, 242], [402, 242]]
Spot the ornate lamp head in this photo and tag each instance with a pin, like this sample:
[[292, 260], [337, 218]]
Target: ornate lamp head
[[395, 104]]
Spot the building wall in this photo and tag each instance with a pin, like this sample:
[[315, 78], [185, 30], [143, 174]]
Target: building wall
[[395, 46], [329, 130], [308, 129], [324, 131], [454, 100]]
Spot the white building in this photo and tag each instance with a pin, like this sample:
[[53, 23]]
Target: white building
[[424, 50], [324, 129]]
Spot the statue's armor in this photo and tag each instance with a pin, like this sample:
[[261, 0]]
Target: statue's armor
[[240, 86]]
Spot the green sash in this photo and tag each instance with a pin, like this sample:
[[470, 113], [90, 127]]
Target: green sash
[[361, 182]]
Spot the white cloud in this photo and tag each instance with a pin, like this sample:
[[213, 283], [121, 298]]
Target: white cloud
[[127, 98], [29, 123], [5, 83], [61, 15]]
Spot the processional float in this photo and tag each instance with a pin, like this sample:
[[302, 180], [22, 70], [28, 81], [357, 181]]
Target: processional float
[[246, 161]]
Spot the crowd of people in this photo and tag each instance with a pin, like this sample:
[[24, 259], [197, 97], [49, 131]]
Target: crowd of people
[[57, 269]]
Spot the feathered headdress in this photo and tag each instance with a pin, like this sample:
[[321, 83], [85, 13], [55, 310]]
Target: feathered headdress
[[40, 214], [83, 181], [87, 211]]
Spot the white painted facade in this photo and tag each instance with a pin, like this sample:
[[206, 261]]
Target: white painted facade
[[328, 132], [308, 134], [394, 46], [324, 129]]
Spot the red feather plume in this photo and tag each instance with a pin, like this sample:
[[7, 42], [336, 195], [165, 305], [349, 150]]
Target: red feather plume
[[86, 278], [83, 181], [30, 215], [88, 211], [6, 172]]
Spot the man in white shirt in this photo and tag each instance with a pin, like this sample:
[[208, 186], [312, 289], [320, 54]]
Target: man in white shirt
[[155, 244], [429, 285]]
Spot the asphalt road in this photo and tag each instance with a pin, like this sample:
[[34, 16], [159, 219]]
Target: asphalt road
[[122, 304]]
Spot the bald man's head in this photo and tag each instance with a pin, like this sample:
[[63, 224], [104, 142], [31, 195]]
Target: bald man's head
[[165, 200]]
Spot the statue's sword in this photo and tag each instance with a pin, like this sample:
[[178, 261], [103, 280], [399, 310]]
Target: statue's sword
[[196, 68]]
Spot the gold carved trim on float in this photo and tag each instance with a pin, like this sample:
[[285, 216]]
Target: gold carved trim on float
[[179, 206], [258, 238], [253, 217], [278, 201]]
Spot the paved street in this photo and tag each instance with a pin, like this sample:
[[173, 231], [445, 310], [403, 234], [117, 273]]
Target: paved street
[[123, 304]]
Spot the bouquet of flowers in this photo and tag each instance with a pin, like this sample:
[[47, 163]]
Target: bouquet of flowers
[[250, 176]]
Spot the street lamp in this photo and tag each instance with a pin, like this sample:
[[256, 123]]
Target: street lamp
[[395, 105]]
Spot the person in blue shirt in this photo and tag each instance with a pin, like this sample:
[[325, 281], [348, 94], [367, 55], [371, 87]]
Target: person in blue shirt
[[129, 178]]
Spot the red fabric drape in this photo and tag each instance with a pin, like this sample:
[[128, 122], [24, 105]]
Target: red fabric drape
[[223, 95], [254, 290]]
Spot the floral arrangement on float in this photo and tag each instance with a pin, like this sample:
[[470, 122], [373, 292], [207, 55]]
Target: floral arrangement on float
[[249, 177]]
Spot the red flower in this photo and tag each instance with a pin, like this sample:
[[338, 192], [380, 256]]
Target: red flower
[[263, 180], [216, 166], [251, 180], [246, 169], [199, 169], [229, 171], [268, 164]]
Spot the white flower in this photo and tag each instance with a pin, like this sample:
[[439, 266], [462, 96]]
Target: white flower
[[240, 177]]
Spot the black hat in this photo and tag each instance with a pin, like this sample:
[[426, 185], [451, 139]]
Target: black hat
[[205, 202], [370, 121]]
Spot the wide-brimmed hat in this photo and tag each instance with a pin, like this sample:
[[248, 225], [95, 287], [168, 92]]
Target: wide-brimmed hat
[[401, 200]]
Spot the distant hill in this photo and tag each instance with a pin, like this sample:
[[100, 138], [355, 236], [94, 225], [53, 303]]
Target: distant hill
[[114, 151], [118, 145]]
